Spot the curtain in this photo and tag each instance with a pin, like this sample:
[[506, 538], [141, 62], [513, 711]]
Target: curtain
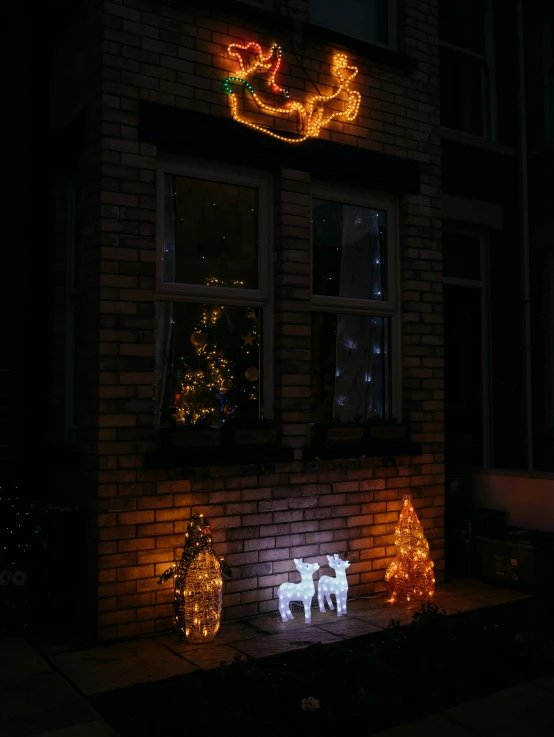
[[360, 338], [164, 310]]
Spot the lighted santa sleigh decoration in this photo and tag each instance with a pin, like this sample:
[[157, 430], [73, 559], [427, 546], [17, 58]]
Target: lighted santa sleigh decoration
[[312, 115], [305, 590]]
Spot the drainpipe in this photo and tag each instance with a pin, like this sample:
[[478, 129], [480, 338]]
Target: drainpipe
[[522, 160]]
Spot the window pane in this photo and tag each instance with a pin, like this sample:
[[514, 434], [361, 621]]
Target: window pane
[[211, 233], [350, 367], [363, 19], [461, 92], [349, 245], [462, 23], [461, 255], [209, 363]]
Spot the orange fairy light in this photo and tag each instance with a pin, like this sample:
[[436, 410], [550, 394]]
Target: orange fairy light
[[410, 575], [312, 115]]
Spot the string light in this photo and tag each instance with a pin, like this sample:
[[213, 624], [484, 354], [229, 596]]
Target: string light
[[410, 575], [198, 584], [337, 585], [312, 116], [218, 376], [303, 591]]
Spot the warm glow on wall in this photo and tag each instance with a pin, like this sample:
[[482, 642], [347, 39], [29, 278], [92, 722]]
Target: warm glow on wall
[[198, 584], [410, 575], [312, 115]]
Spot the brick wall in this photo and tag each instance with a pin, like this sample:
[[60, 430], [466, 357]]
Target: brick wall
[[261, 517]]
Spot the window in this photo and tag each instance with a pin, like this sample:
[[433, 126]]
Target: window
[[354, 323], [466, 71], [368, 20], [213, 308], [548, 69]]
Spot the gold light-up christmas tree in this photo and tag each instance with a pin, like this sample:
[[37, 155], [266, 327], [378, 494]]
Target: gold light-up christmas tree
[[410, 575]]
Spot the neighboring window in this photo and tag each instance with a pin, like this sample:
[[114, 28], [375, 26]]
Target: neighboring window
[[213, 307], [548, 67], [354, 308], [368, 20], [265, 4], [466, 66]]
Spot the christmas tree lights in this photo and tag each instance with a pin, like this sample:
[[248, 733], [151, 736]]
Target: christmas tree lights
[[207, 380], [303, 591], [198, 584], [410, 575], [311, 116], [337, 585]]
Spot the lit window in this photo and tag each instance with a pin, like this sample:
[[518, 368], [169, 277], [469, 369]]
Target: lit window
[[465, 66], [212, 299], [368, 20], [353, 309]]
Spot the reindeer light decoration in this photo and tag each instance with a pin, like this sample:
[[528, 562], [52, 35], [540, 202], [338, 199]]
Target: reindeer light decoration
[[312, 116], [337, 585], [303, 591]]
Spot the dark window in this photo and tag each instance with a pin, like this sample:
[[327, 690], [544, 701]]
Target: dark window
[[349, 254], [364, 19], [461, 255], [461, 90], [215, 233]]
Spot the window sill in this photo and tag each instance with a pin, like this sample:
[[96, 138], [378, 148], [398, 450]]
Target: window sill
[[252, 455], [468, 139], [368, 449]]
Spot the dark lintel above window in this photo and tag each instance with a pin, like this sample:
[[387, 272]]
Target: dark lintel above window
[[185, 132]]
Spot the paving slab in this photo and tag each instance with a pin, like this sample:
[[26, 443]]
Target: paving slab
[[41, 702], [431, 726], [19, 659], [261, 647], [526, 710], [210, 657], [119, 665], [346, 627], [273, 624], [97, 728]]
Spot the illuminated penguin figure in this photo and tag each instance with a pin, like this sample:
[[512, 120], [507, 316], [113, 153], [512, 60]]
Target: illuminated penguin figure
[[198, 584]]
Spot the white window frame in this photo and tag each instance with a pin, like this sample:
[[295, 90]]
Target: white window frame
[[460, 228], [392, 29], [261, 297], [488, 79], [374, 308]]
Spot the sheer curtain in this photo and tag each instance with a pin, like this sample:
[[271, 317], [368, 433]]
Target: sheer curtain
[[359, 359], [164, 310]]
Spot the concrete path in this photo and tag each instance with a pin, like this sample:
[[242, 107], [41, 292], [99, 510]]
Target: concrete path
[[45, 700], [525, 710], [36, 700]]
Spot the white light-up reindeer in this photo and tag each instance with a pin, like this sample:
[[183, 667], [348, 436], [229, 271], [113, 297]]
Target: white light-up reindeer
[[337, 585], [303, 591]]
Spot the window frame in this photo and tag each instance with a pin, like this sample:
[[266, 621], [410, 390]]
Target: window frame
[[374, 308], [392, 28], [488, 79], [261, 297]]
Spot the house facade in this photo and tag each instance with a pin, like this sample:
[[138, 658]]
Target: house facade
[[223, 272]]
